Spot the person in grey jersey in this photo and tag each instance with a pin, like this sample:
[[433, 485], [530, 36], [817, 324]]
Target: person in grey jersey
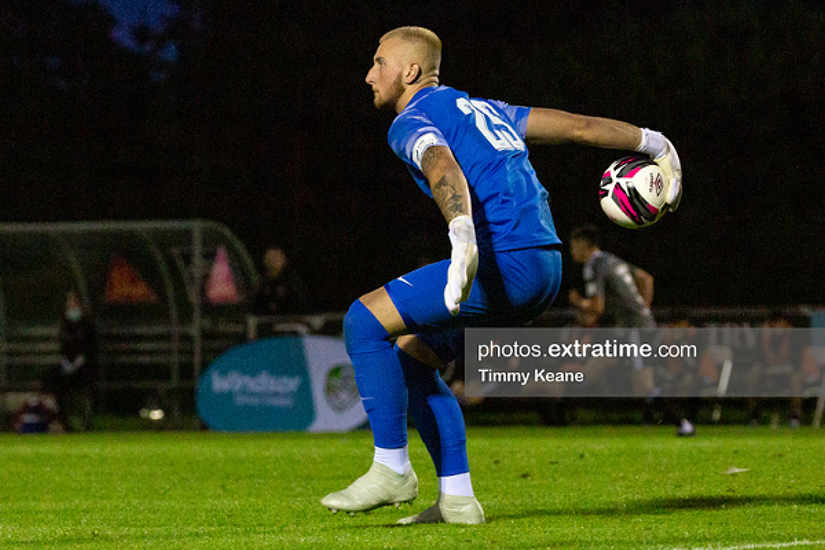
[[616, 293]]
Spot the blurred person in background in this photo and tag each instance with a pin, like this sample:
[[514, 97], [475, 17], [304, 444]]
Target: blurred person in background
[[282, 291], [72, 381], [680, 375], [37, 414], [779, 367], [616, 294]]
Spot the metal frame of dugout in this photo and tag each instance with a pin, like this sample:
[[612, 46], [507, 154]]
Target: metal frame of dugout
[[166, 298]]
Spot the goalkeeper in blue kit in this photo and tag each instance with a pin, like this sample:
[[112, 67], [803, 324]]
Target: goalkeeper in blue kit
[[469, 155]]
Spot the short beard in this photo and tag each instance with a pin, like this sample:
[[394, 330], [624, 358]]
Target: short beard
[[393, 95]]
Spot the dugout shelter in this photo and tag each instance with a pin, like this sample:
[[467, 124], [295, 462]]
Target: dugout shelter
[[166, 298]]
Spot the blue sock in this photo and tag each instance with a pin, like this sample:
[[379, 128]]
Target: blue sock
[[437, 416], [378, 375]]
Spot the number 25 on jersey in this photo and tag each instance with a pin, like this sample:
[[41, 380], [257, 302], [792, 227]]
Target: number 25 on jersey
[[499, 133]]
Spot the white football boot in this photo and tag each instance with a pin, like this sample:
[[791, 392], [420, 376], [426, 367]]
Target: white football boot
[[380, 486], [449, 509]]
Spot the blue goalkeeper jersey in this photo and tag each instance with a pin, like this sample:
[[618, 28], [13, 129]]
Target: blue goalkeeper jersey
[[510, 206]]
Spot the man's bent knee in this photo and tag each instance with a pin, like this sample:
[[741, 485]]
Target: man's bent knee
[[369, 324], [382, 307]]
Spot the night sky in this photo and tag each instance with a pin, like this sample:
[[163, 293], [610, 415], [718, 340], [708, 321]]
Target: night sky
[[256, 115], [131, 13]]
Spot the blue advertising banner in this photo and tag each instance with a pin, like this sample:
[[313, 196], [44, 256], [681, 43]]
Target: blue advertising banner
[[288, 383]]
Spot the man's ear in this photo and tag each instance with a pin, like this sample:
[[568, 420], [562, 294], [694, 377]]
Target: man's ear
[[413, 73]]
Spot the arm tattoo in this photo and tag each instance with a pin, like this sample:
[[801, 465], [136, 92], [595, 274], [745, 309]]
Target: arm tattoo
[[428, 159], [448, 198], [449, 191]]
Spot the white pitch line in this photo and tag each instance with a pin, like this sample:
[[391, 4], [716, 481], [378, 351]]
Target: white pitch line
[[756, 546]]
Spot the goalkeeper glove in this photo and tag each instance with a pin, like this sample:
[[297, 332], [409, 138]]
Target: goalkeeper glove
[[463, 262], [664, 154]]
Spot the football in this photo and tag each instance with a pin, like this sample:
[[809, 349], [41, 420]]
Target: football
[[632, 192]]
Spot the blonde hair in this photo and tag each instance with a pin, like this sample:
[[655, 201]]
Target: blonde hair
[[426, 44]]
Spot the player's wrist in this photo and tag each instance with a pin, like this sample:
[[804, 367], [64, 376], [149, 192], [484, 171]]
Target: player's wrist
[[652, 143], [462, 230]]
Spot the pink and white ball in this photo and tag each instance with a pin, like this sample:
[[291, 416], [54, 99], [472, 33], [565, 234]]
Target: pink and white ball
[[632, 192]]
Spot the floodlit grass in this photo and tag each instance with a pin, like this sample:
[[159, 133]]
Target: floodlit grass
[[621, 487]]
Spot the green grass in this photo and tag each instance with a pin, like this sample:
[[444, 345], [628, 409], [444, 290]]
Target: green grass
[[592, 487]]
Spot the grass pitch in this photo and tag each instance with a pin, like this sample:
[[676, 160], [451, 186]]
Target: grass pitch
[[581, 487]]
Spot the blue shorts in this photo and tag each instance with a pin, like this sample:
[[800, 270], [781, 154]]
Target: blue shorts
[[510, 289]]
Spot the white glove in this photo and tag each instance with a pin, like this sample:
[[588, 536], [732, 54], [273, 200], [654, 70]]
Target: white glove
[[463, 262], [664, 154]]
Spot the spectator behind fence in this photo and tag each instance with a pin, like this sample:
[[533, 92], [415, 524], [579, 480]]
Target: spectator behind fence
[[282, 291], [780, 366], [72, 381]]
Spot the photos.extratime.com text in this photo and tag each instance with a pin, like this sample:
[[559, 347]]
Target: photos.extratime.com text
[[582, 350], [641, 362]]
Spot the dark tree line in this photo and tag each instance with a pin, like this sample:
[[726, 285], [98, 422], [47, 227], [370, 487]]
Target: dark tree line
[[261, 120]]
